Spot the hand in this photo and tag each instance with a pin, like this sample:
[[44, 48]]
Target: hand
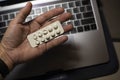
[[15, 43]]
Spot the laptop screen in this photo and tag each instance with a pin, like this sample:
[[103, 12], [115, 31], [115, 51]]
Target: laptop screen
[[11, 2]]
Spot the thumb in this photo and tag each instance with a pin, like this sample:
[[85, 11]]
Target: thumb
[[24, 12]]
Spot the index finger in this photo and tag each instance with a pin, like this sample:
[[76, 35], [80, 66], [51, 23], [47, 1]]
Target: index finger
[[48, 15]]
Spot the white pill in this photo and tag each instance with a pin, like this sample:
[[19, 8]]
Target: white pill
[[50, 29], [53, 34], [37, 42], [40, 34], [45, 32], [47, 37], [34, 36], [58, 31], [43, 39], [55, 27]]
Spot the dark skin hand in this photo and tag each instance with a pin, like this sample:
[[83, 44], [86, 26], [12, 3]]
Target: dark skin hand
[[15, 43]]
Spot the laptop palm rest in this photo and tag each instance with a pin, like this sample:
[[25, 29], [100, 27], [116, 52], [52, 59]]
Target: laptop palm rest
[[77, 52]]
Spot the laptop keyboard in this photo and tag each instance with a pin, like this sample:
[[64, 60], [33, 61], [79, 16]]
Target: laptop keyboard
[[82, 18]]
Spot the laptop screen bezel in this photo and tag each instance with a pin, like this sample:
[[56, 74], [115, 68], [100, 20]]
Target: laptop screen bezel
[[11, 2]]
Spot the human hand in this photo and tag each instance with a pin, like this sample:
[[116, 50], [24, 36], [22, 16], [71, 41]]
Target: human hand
[[15, 43]]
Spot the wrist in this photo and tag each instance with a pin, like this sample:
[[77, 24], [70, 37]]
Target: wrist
[[5, 58]]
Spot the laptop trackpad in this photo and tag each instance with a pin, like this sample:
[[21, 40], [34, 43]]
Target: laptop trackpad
[[65, 57]]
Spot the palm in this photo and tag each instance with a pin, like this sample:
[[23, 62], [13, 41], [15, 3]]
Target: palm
[[15, 39], [24, 46]]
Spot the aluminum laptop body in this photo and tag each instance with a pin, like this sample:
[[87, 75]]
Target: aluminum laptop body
[[85, 47]]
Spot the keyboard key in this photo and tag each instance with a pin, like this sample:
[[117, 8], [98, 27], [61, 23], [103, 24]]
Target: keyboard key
[[64, 5], [89, 8], [51, 7], [73, 17], [8, 22], [82, 9], [78, 3], [2, 24], [3, 30], [75, 10], [38, 10], [77, 23], [57, 6], [86, 27], [74, 30], [87, 14], [44, 9], [80, 29], [93, 26], [11, 16], [86, 2], [5, 17], [32, 12], [71, 4], [78, 16], [69, 10], [87, 21]]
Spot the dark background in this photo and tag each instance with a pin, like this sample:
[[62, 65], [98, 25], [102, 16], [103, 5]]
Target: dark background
[[111, 10], [9, 2]]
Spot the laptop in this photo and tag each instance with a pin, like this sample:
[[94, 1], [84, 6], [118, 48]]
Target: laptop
[[85, 47]]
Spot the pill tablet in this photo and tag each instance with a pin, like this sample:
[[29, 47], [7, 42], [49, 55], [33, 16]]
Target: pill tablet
[[45, 34]]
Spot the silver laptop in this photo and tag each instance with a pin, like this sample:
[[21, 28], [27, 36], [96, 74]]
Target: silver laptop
[[85, 47]]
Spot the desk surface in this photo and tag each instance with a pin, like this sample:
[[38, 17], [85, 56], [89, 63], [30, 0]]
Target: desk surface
[[115, 76]]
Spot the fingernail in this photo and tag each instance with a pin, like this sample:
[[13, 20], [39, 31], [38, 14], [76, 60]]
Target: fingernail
[[27, 4]]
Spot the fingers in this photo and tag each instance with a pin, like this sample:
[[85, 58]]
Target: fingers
[[24, 12], [62, 18], [48, 15], [47, 19], [56, 41], [68, 27]]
